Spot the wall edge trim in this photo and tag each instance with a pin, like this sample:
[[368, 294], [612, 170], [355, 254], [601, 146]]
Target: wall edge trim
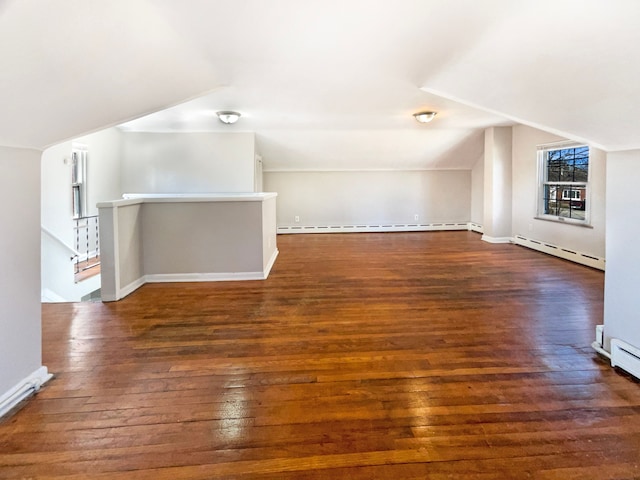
[[270, 263]]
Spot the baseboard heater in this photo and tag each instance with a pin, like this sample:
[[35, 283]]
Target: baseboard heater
[[625, 356], [558, 251], [387, 227], [24, 390], [598, 345]]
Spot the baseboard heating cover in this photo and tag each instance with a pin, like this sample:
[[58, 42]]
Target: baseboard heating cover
[[600, 335], [598, 345], [562, 252], [625, 356], [23, 390], [387, 227], [475, 227]]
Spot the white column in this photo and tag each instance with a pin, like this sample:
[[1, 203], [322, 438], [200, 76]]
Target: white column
[[21, 370], [622, 274], [497, 185]]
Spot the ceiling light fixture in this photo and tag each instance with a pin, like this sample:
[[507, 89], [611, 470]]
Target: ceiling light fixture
[[228, 117], [424, 117]]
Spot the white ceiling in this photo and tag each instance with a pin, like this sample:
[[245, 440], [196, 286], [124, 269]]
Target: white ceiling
[[325, 84]]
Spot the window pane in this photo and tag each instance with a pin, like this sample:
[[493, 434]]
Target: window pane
[[565, 201], [550, 199], [564, 208], [581, 170], [554, 169], [578, 214], [568, 165], [75, 189]]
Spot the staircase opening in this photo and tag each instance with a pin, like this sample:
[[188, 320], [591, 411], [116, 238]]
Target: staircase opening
[[87, 247]]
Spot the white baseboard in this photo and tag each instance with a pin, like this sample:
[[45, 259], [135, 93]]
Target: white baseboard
[[191, 277], [203, 277], [360, 228], [23, 390], [489, 239], [132, 287], [122, 292], [562, 252]]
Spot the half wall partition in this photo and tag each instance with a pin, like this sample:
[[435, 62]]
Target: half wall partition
[[185, 238]]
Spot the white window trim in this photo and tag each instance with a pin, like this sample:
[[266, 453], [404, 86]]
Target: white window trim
[[542, 149], [79, 153]]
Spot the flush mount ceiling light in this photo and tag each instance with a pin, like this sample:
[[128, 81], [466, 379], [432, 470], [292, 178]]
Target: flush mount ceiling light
[[228, 117], [424, 117]]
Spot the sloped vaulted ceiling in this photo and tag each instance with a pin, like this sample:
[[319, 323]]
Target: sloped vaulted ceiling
[[568, 66], [325, 84], [74, 66]]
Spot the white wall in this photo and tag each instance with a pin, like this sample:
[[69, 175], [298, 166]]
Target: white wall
[[622, 276], [20, 324], [103, 179], [104, 165], [188, 162], [103, 183], [203, 237], [130, 243], [525, 184], [370, 197]]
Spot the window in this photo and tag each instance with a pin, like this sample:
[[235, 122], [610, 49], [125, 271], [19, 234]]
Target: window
[[564, 183], [79, 180]]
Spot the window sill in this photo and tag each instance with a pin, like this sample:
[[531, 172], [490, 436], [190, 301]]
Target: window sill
[[562, 220]]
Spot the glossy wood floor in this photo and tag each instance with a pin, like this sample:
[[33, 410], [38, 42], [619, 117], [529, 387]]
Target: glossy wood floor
[[363, 356]]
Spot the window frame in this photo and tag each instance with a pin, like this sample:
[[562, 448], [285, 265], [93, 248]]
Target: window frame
[[542, 158], [79, 155]]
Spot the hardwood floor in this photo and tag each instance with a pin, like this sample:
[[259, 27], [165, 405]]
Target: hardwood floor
[[363, 356]]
